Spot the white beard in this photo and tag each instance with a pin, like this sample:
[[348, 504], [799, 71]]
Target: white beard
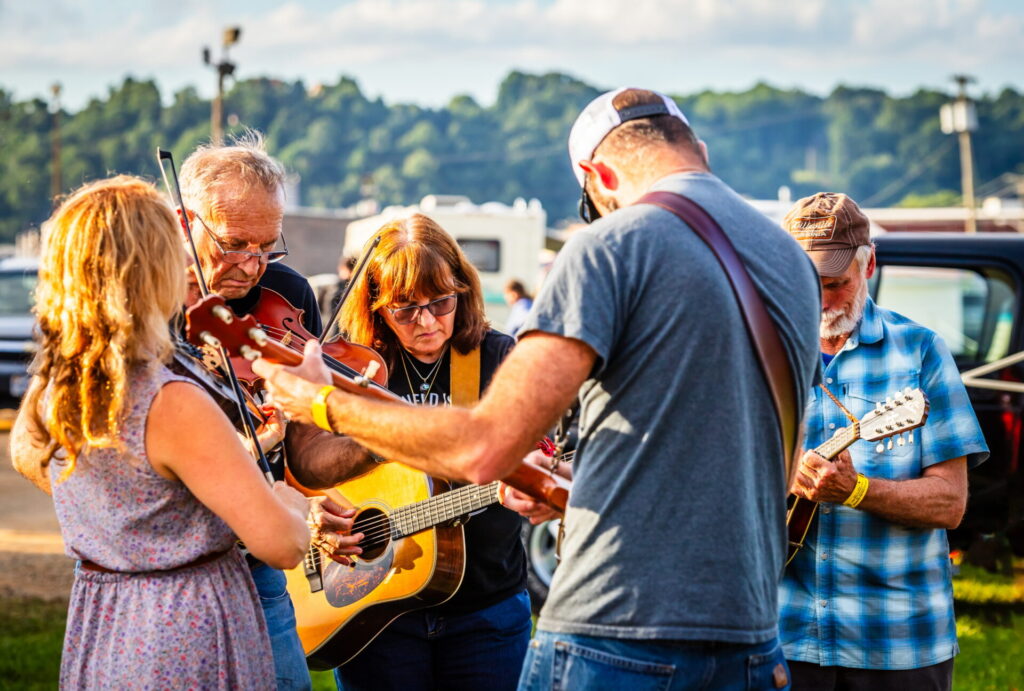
[[841, 322]]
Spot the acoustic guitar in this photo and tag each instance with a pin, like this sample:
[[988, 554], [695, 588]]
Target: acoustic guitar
[[413, 546], [897, 417]]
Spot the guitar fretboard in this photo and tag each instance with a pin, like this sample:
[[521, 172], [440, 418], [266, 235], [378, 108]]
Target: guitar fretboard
[[840, 440], [445, 507]]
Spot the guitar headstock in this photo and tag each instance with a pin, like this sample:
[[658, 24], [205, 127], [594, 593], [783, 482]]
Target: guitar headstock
[[905, 411], [210, 322]]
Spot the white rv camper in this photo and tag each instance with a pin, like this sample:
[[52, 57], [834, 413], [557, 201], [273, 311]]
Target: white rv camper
[[502, 241]]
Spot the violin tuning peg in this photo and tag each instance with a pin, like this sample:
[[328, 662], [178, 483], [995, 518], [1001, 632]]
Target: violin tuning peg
[[209, 339], [223, 313], [249, 353], [880, 448]]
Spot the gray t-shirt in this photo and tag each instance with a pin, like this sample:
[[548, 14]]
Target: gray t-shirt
[[675, 526]]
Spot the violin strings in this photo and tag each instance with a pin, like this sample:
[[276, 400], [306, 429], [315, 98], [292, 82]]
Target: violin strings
[[296, 344]]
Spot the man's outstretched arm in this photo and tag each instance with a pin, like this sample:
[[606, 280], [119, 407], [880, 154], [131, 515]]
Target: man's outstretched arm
[[529, 392]]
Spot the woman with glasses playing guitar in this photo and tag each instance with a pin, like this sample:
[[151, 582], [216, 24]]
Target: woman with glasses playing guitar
[[420, 305]]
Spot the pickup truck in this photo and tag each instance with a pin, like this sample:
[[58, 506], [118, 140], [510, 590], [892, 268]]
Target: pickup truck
[[970, 290]]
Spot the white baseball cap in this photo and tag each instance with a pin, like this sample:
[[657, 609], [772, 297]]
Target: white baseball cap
[[601, 117]]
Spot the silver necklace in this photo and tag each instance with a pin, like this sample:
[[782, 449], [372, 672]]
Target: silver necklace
[[426, 382]]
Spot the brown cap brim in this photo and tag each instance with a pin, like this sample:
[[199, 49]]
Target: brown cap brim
[[834, 262]]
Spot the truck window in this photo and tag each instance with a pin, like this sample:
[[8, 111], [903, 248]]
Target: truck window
[[972, 309]]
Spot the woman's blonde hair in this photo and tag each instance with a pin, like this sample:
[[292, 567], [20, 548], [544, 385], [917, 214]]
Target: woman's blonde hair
[[415, 258], [111, 277]]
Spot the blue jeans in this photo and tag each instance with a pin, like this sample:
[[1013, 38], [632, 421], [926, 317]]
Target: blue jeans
[[482, 650], [289, 658], [566, 661]]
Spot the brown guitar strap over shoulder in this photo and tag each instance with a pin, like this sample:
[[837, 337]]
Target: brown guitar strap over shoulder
[[465, 377], [763, 332]]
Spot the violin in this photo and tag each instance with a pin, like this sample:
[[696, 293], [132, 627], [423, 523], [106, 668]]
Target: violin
[[211, 322], [283, 322]]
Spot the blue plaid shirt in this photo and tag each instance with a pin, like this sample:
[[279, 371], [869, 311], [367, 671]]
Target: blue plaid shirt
[[864, 592]]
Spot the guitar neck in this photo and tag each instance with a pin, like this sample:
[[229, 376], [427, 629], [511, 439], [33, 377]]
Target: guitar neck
[[840, 440], [442, 508]]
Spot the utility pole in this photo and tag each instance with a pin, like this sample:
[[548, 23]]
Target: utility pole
[[224, 68], [961, 117], [56, 179]]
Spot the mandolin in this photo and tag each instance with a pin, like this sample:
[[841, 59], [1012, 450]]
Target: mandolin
[[897, 417]]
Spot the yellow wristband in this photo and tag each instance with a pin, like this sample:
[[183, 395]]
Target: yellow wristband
[[318, 408], [858, 493]]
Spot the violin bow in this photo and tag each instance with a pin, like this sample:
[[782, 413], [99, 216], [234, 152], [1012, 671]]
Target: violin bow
[[363, 261], [174, 192]]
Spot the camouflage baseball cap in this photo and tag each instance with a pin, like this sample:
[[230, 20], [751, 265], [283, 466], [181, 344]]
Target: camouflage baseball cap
[[830, 227]]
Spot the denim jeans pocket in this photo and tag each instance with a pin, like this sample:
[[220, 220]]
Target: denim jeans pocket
[[577, 667], [767, 671]]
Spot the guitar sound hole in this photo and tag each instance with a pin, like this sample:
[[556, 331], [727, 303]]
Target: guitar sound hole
[[375, 526]]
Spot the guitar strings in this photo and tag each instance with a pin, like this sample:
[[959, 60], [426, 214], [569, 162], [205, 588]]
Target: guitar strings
[[378, 530], [378, 527]]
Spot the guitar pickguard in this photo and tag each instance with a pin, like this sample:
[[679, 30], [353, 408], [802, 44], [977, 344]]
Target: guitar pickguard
[[344, 585]]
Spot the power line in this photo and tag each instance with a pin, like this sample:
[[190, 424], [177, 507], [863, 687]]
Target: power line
[[912, 174]]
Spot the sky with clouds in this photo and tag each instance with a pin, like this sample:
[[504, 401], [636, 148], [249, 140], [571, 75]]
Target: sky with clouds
[[426, 51]]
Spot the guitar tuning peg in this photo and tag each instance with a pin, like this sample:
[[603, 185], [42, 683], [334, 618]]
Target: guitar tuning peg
[[910, 437], [889, 444], [880, 448], [901, 441]]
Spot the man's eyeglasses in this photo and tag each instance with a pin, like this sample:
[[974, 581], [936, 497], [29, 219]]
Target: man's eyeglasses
[[240, 256], [438, 308]]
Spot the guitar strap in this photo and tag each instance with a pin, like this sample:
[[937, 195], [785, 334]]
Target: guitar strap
[[761, 329], [465, 377]]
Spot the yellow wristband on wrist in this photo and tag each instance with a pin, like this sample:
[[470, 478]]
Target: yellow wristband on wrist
[[858, 493], [318, 408]]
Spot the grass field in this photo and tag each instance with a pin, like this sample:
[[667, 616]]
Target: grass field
[[990, 623]]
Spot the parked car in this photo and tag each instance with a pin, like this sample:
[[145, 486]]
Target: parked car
[[18, 276]]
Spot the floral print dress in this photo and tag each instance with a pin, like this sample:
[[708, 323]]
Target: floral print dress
[[157, 621]]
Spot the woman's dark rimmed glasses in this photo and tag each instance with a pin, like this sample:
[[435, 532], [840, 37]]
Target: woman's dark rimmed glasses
[[438, 308], [240, 256]]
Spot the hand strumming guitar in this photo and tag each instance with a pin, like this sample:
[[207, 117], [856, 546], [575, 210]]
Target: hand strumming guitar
[[330, 523]]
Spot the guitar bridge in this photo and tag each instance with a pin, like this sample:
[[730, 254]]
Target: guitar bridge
[[311, 569]]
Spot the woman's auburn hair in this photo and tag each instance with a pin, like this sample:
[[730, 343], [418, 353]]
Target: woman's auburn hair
[[415, 259], [111, 276]]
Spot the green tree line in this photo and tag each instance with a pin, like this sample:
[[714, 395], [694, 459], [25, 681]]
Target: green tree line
[[881, 149]]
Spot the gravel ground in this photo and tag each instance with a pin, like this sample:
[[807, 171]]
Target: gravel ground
[[32, 561]]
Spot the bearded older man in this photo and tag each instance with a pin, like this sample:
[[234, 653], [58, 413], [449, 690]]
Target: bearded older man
[[868, 602]]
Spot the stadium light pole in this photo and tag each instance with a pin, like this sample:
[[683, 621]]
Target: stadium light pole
[[56, 177], [224, 68], [961, 117]]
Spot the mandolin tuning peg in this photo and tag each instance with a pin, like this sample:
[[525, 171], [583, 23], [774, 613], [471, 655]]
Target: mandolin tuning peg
[[880, 448]]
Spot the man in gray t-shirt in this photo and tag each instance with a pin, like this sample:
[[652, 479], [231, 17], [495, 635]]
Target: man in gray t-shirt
[[675, 529]]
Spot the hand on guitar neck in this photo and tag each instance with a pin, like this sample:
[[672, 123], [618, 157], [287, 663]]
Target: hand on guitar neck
[[524, 504]]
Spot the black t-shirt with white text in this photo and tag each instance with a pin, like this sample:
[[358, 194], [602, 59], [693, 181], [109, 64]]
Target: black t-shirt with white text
[[495, 558]]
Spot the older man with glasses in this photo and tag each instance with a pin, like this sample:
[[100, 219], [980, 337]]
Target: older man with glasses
[[234, 199]]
